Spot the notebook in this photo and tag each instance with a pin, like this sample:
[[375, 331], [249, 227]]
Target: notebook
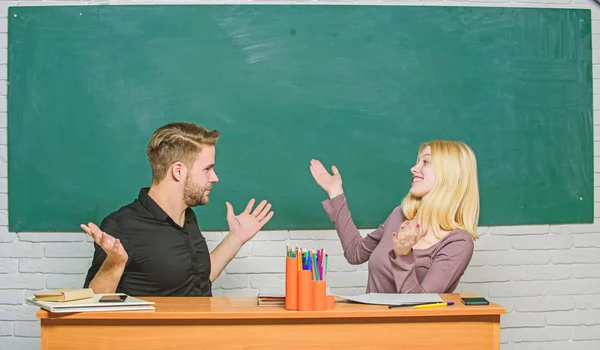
[[93, 305]]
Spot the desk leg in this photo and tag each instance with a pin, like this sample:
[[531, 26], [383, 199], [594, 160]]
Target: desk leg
[[496, 340], [43, 335]]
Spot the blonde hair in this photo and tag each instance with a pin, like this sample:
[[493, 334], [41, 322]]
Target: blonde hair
[[453, 202], [177, 142]]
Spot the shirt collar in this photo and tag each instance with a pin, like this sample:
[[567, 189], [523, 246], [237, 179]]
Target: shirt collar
[[151, 205], [157, 211]]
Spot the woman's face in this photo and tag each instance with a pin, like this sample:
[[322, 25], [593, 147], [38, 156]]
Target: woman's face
[[423, 174]]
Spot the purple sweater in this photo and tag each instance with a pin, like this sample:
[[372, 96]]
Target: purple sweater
[[436, 269]]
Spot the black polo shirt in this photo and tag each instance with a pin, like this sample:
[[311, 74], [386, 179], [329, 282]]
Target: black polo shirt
[[165, 259]]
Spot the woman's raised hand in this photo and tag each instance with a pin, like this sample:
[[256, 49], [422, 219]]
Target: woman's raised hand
[[332, 184]]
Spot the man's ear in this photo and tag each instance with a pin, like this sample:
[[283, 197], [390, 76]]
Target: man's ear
[[178, 171]]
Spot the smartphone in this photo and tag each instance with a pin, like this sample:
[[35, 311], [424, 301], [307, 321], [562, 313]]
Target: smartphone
[[474, 301], [112, 298]]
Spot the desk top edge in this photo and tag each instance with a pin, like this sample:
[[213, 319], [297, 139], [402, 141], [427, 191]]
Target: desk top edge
[[240, 308]]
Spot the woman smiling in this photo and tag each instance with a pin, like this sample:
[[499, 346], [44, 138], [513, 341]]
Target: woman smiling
[[426, 243]]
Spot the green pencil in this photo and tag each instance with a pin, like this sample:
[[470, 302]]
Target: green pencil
[[326, 262], [315, 266]]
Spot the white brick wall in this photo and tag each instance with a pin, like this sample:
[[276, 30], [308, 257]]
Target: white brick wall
[[548, 277]]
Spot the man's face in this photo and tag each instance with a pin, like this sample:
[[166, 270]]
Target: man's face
[[200, 178]]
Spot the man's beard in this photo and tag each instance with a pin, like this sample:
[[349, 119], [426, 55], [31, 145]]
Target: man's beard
[[193, 194]]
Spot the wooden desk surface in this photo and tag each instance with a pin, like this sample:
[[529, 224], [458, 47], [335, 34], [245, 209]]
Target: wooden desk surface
[[237, 308], [238, 323]]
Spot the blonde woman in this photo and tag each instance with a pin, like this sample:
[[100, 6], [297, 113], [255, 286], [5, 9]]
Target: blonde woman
[[426, 243]]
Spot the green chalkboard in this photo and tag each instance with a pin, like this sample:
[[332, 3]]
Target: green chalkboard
[[360, 87]]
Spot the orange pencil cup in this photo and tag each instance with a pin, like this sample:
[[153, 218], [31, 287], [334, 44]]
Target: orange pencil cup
[[330, 301], [305, 290], [318, 295], [291, 284]]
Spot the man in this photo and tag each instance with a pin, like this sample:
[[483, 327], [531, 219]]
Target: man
[[153, 246]]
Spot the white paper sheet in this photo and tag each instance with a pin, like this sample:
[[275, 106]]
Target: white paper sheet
[[395, 298]]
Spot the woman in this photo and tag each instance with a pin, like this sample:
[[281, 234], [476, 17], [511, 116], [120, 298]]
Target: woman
[[426, 243]]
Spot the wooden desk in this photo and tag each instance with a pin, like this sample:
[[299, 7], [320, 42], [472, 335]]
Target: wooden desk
[[238, 323]]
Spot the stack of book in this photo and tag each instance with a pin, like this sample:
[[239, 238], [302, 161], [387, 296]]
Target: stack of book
[[272, 297], [84, 300]]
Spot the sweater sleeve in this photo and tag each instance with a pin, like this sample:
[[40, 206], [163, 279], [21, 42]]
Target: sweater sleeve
[[447, 266], [357, 249]]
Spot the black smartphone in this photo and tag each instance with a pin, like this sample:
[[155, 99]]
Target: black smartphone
[[112, 298], [474, 301]]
